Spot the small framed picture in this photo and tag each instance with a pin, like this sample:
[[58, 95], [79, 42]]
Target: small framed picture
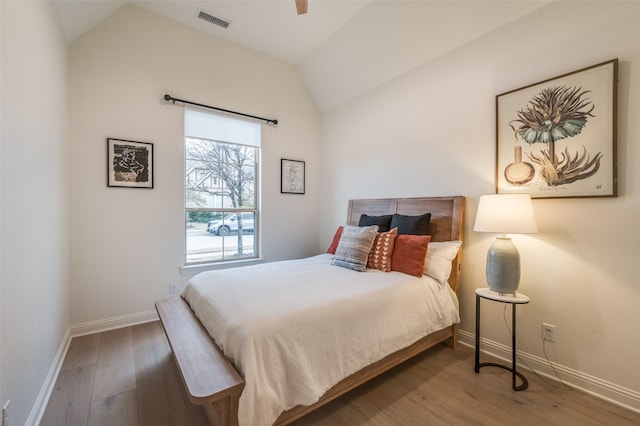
[[291, 176], [129, 163]]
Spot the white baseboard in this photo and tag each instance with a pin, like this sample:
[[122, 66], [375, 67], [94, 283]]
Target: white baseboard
[[113, 323], [40, 405], [595, 386]]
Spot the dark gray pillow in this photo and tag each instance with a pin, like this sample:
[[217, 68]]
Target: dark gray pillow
[[411, 225], [383, 222]]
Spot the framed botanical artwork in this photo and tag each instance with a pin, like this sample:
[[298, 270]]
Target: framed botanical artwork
[[129, 163], [557, 138], [291, 176]]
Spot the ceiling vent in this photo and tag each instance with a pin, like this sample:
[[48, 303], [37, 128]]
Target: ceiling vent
[[213, 19]]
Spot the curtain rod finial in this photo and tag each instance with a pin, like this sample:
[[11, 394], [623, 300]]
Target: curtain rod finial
[[167, 97]]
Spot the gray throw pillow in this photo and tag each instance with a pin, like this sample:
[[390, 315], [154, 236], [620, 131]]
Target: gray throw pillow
[[354, 246]]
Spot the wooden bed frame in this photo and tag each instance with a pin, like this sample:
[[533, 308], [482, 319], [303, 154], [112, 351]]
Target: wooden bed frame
[[212, 381]]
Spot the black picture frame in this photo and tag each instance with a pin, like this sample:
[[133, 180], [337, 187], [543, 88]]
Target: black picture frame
[[129, 164], [292, 176]]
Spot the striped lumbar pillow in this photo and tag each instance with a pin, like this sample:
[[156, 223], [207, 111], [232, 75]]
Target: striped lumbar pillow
[[354, 247]]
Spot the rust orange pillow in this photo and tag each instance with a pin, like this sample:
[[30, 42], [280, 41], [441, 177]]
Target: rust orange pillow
[[382, 250], [336, 239], [409, 254]]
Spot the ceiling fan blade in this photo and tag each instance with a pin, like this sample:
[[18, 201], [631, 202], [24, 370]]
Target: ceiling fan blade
[[301, 6]]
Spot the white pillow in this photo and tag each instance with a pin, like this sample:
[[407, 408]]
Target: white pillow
[[440, 254]]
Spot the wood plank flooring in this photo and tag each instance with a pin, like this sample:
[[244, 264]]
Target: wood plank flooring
[[127, 377], [121, 377]]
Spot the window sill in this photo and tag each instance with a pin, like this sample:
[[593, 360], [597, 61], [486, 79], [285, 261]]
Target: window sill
[[202, 267]]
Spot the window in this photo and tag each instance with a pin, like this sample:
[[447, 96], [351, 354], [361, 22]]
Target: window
[[222, 158]]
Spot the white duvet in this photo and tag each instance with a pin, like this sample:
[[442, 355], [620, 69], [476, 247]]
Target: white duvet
[[294, 329]]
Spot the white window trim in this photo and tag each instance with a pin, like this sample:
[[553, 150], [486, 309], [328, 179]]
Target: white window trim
[[195, 268]]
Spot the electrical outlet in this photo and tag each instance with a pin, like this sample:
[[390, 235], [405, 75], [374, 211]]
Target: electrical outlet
[[5, 414], [548, 332], [173, 288]]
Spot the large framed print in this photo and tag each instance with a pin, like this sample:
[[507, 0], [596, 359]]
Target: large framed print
[[557, 138], [129, 163], [291, 176]]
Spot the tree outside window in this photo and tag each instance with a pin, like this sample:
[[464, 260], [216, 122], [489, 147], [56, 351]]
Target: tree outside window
[[220, 200]]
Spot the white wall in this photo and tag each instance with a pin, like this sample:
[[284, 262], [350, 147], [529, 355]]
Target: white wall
[[431, 132], [127, 244], [35, 255]]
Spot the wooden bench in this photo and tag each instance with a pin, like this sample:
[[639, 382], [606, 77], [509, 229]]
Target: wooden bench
[[208, 376]]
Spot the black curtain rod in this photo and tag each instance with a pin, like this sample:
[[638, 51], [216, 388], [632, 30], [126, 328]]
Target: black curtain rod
[[170, 98]]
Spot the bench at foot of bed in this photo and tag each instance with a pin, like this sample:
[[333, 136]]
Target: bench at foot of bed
[[209, 378]]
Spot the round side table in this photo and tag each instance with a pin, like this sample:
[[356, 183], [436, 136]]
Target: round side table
[[514, 300]]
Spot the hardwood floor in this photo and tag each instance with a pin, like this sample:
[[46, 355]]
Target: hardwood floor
[[127, 377], [121, 377]]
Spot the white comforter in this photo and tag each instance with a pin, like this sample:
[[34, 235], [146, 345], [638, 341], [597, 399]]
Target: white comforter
[[294, 329]]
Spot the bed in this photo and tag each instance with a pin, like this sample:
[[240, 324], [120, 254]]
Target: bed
[[211, 378]]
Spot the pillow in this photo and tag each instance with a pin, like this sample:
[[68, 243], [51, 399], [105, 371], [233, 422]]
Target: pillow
[[354, 247], [381, 251], [336, 238], [439, 257], [383, 222], [412, 225], [409, 254]]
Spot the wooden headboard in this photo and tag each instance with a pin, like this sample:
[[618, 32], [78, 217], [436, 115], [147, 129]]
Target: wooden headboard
[[445, 225]]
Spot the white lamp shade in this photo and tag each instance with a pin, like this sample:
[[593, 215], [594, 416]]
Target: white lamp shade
[[506, 214]]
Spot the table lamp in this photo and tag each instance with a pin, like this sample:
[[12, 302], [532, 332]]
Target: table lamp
[[504, 214]]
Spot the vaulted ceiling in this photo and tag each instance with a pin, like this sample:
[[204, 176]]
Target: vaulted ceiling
[[342, 48]]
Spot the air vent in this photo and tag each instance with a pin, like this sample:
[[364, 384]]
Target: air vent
[[213, 19]]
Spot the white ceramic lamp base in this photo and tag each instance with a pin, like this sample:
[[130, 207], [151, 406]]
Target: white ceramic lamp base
[[503, 266]]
